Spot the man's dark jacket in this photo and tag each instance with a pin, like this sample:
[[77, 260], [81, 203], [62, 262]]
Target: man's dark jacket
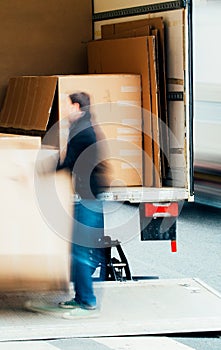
[[82, 158]]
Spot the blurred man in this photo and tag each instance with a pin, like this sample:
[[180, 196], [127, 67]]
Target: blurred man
[[83, 160]]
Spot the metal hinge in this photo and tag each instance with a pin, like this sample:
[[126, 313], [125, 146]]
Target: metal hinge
[[175, 96]]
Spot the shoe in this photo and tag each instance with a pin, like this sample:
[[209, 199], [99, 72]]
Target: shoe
[[72, 304], [88, 307], [69, 304], [80, 313]]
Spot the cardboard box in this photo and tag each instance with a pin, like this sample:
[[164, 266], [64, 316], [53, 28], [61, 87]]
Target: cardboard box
[[154, 28], [144, 27], [128, 55], [124, 30], [19, 141], [36, 221], [37, 103], [115, 104]]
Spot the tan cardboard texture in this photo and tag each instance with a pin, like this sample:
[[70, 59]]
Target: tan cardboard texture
[[36, 221], [121, 56], [19, 142], [28, 103], [110, 31], [141, 28], [154, 112], [37, 103], [117, 31], [116, 106], [174, 60]]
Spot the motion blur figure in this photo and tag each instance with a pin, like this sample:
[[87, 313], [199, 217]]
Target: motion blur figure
[[84, 158]]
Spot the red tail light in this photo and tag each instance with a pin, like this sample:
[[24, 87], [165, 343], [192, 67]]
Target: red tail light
[[161, 210]]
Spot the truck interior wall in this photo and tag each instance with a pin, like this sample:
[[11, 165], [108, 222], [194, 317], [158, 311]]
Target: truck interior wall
[[43, 38], [176, 72], [103, 5]]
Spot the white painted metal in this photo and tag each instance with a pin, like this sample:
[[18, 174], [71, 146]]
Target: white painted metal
[[145, 194]]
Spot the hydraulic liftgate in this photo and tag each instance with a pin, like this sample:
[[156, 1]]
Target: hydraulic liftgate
[[127, 308]]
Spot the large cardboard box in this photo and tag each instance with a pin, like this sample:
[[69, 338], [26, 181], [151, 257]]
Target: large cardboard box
[[36, 221], [116, 106], [154, 29], [128, 55], [19, 141], [38, 104]]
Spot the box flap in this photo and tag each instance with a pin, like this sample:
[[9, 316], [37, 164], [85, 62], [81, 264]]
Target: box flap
[[28, 102]]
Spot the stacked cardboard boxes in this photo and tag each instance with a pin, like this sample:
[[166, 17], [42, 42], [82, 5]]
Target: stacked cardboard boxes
[[10, 141], [115, 103], [36, 216], [36, 201], [138, 47]]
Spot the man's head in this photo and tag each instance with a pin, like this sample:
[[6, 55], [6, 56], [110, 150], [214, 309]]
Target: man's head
[[77, 103], [82, 99]]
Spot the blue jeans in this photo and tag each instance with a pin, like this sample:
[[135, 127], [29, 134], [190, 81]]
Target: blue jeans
[[87, 250]]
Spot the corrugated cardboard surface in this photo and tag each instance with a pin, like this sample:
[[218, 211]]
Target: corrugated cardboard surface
[[28, 103], [36, 220], [149, 26], [155, 27], [175, 58], [128, 29], [115, 102], [127, 60], [37, 103], [158, 83]]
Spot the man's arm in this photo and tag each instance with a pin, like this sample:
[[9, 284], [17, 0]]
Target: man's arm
[[74, 148]]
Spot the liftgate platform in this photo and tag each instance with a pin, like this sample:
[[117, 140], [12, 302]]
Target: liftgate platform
[[126, 308]]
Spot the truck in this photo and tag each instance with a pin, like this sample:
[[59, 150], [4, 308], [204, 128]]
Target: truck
[[158, 204], [49, 42], [72, 45]]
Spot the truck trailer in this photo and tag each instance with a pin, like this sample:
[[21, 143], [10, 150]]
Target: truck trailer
[[151, 40]]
